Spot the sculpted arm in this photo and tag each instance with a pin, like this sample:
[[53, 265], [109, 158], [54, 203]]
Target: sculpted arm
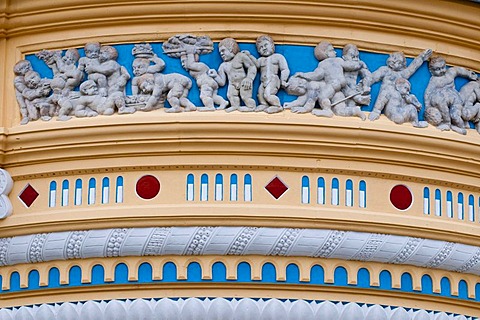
[[351, 65], [252, 59], [251, 67], [379, 74], [416, 63], [316, 75], [107, 68], [285, 71], [220, 76], [366, 76], [251, 72], [158, 65], [462, 72]]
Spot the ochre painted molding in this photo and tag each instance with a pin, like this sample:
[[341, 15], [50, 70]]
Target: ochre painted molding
[[255, 290]]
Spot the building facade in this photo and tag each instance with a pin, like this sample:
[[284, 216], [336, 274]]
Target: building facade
[[117, 205]]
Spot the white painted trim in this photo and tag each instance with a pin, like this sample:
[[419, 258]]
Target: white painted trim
[[260, 241], [220, 308]]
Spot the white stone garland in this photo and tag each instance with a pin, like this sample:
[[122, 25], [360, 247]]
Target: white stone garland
[[346, 245], [219, 308]]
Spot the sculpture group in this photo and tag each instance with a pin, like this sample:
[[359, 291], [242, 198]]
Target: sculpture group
[[95, 84]]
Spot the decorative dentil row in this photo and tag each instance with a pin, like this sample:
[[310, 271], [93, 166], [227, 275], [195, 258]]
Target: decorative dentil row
[[219, 308], [338, 86]]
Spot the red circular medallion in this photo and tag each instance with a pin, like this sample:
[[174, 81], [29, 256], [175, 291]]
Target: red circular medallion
[[148, 187], [401, 197]]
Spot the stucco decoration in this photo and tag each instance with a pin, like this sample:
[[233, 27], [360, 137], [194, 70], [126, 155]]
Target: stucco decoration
[[95, 84], [274, 73], [443, 103], [220, 308], [189, 48], [240, 70], [346, 245], [6, 185], [470, 94], [332, 82], [395, 69]]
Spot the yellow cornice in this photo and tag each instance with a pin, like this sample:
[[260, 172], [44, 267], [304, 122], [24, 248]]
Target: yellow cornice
[[267, 140], [448, 27]]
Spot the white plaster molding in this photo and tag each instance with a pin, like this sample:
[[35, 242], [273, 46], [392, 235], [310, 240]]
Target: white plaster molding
[[346, 245], [219, 308]]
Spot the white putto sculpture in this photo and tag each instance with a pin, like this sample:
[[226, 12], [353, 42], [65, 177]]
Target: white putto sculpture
[[443, 103], [189, 48], [396, 68], [339, 86], [274, 74], [240, 71]]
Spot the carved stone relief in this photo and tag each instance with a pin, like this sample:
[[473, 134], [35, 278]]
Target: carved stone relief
[[94, 84]]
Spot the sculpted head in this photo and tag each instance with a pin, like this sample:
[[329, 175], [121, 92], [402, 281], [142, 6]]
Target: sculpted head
[[403, 86], [22, 67], [396, 61], [108, 53], [146, 84], [32, 79], [92, 50], [71, 56], [437, 66], [228, 48], [350, 52], [265, 45], [324, 50], [89, 88], [140, 66]]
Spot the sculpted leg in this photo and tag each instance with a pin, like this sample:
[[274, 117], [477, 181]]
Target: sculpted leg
[[218, 100], [261, 99], [250, 104], [271, 98]]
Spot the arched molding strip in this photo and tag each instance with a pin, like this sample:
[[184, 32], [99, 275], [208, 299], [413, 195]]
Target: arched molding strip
[[278, 270]]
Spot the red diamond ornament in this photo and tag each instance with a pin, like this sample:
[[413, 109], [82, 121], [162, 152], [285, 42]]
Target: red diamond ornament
[[276, 187], [28, 195]]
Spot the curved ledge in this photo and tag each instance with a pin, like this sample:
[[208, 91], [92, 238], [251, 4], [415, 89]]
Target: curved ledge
[[407, 151], [240, 241], [222, 308]]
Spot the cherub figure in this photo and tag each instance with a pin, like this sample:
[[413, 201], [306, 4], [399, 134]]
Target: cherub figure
[[360, 92], [144, 66], [64, 68], [240, 71], [274, 74], [443, 103], [470, 94], [20, 69], [91, 59], [328, 80], [176, 87], [205, 82], [116, 75], [36, 95], [91, 103], [396, 68], [401, 106]]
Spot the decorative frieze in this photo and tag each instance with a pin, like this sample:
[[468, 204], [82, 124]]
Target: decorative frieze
[[346, 245], [338, 86]]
